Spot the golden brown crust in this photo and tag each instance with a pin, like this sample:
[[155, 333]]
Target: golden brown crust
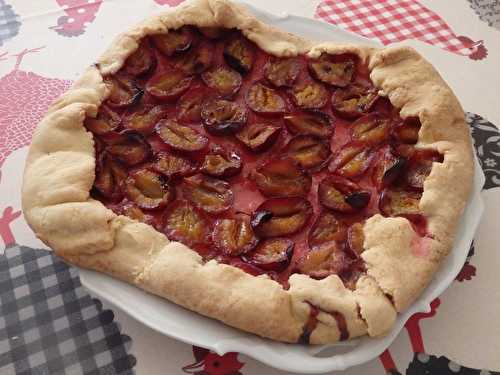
[[60, 172]]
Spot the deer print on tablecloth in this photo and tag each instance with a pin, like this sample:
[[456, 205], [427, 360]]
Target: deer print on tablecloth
[[25, 98], [6, 234], [78, 15], [468, 271], [391, 21], [209, 363], [6, 218]]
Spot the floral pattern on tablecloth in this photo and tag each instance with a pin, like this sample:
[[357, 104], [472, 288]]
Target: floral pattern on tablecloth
[[487, 142]]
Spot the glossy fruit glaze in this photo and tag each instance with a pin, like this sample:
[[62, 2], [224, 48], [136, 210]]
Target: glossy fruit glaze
[[269, 164]]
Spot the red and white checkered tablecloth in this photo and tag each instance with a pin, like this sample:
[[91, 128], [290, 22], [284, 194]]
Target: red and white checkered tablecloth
[[392, 21]]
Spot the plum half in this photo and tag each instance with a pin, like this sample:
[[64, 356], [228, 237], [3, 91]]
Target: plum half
[[282, 72], [141, 62], [189, 105], [307, 151], [128, 146], [168, 85], [185, 223], [239, 54], [110, 176], [397, 202], [106, 121], [371, 129], [123, 91], [273, 254], [180, 137], [221, 163], [281, 178], [259, 136], [324, 260], [342, 195], [326, 228], [388, 168], [194, 61], [234, 236], [335, 70], [148, 189], [173, 166], [144, 120], [223, 80], [353, 101], [223, 117], [318, 124], [265, 100], [278, 217], [352, 160], [208, 194], [174, 41], [309, 95]]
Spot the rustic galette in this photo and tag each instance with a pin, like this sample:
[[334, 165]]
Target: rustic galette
[[302, 191]]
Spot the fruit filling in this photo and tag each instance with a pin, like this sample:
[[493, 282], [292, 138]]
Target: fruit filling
[[269, 164]]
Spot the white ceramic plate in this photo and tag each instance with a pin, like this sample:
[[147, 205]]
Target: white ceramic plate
[[192, 328]]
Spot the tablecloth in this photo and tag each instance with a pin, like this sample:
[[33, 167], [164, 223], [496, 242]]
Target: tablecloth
[[48, 322]]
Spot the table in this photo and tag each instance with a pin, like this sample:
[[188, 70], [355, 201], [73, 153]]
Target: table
[[49, 323]]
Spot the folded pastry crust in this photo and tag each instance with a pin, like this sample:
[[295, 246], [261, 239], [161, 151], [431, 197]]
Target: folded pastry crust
[[60, 172]]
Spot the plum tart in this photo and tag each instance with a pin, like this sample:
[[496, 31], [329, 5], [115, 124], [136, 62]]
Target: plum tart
[[305, 192]]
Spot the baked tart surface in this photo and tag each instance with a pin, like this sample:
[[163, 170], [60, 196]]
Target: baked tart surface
[[301, 191]]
